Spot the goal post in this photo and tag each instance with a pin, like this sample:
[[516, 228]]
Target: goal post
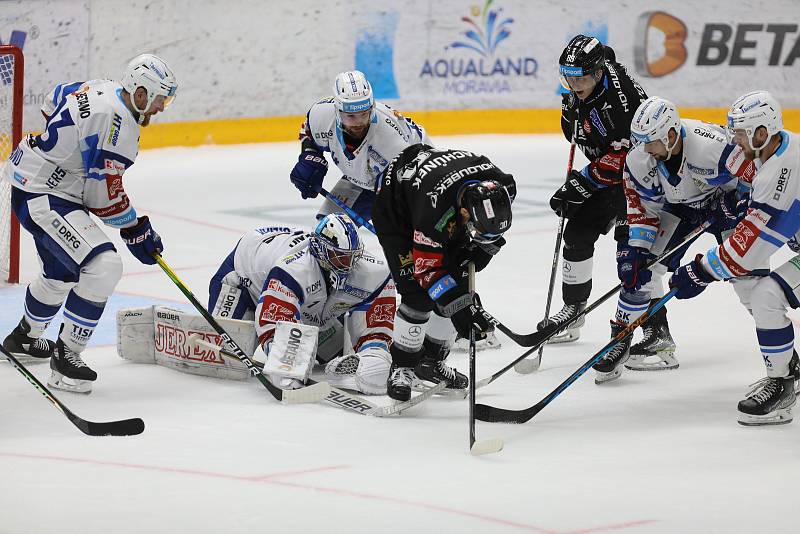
[[12, 67]]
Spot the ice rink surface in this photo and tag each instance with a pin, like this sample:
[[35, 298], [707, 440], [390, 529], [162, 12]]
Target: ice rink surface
[[656, 452]]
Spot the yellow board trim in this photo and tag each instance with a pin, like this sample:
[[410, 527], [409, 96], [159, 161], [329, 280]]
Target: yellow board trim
[[453, 122]]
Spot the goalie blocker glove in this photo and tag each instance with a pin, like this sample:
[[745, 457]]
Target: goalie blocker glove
[[142, 241], [308, 173], [576, 190]]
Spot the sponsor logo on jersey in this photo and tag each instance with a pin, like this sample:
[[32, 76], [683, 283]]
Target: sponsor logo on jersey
[[701, 170], [597, 122], [375, 155], [422, 239], [274, 310], [20, 179], [780, 187], [114, 209], [277, 287], [426, 261], [381, 313], [440, 226], [406, 259], [314, 287], [113, 134], [66, 235], [743, 237]]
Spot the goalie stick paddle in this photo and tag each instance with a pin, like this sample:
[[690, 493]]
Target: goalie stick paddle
[[491, 445], [236, 351], [547, 333], [124, 427], [335, 396], [526, 367], [492, 414]]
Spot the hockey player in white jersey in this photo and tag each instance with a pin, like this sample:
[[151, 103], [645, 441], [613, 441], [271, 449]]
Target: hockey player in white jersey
[[771, 220], [288, 274], [363, 136], [74, 169], [681, 173]]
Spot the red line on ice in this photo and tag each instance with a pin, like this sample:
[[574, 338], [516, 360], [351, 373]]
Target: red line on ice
[[270, 478]]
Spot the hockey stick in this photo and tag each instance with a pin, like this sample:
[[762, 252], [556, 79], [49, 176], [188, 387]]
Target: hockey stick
[[358, 219], [484, 412], [124, 427], [544, 335], [526, 367], [490, 445], [314, 393], [338, 397]]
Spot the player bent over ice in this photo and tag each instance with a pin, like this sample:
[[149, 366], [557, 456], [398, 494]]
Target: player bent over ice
[[362, 136], [680, 173], [278, 275], [436, 211], [59, 178], [772, 219]]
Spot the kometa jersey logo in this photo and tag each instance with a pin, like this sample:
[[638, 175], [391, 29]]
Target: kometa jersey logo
[[472, 64]]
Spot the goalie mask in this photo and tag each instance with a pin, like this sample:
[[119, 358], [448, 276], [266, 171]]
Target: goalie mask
[[337, 247], [489, 207], [152, 73]]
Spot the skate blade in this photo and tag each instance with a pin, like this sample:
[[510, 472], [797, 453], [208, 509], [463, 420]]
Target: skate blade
[[73, 385], [778, 417], [490, 343], [664, 362], [566, 337], [487, 446], [602, 378], [423, 386]]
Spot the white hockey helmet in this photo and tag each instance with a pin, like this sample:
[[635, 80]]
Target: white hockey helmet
[[653, 120], [336, 245], [757, 108], [352, 93], [152, 73]]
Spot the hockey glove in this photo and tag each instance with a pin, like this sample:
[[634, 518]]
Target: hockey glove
[[727, 212], [570, 196], [690, 279], [630, 263], [469, 317], [478, 253], [308, 172], [142, 241]]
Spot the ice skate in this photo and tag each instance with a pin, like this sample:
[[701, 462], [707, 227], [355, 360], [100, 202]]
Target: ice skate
[[27, 349], [573, 332], [656, 351], [610, 365], [769, 402], [69, 371]]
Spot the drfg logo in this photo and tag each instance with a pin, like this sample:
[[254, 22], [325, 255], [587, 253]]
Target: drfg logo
[[66, 235]]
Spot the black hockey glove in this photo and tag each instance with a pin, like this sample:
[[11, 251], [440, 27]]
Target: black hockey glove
[[458, 305], [478, 253], [568, 199]]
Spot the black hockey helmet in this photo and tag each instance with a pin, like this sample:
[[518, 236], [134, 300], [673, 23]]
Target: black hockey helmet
[[489, 207], [583, 55]]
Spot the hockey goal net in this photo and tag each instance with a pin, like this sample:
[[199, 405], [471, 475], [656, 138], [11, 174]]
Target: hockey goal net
[[11, 75]]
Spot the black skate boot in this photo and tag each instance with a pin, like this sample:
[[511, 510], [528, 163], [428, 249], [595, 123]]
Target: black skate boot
[[431, 370], [28, 349], [610, 365], [70, 372], [565, 314], [794, 370], [398, 385], [656, 351], [769, 402]]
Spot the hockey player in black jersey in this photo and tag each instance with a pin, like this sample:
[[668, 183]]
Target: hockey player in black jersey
[[602, 101], [436, 211]]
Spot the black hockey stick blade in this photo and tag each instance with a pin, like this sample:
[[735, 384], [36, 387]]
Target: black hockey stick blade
[[125, 427], [491, 414]]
